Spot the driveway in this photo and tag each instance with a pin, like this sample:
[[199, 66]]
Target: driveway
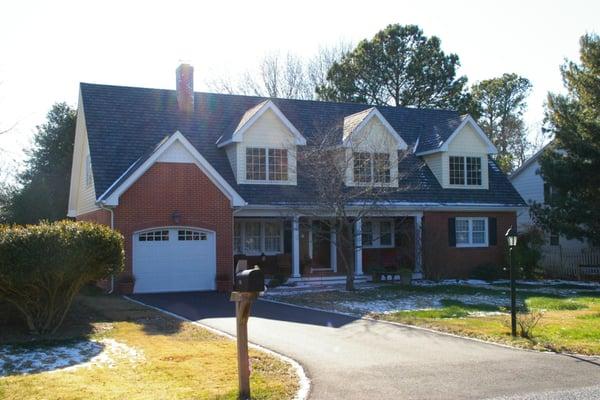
[[350, 358]]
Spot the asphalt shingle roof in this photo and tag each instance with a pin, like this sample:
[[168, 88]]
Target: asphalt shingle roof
[[125, 124]]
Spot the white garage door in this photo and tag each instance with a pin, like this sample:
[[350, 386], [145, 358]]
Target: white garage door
[[174, 260]]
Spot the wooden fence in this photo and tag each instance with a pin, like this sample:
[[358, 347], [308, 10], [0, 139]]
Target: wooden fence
[[558, 262]]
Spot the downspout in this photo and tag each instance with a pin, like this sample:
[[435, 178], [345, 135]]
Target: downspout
[[112, 226]]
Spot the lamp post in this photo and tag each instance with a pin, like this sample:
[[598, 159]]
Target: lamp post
[[511, 239]]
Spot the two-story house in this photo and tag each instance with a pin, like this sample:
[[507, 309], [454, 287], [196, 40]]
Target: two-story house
[[195, 181]]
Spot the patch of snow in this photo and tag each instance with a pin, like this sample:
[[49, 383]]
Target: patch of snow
[[92, 353]]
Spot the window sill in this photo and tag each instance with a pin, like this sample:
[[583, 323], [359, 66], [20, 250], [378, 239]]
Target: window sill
[[474, 246]]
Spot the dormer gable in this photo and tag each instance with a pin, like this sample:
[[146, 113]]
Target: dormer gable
[[252, 116], [369, 126]]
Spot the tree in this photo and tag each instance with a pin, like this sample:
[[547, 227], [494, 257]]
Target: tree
[[570, 164], [400, 67], [44, 185], [501, 103], [285, 76]]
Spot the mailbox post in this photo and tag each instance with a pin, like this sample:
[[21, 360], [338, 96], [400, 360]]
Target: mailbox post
[[248, 284]]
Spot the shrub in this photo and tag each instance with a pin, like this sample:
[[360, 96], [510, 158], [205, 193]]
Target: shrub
[[277, 280], [526, 322], [488, 272], [43, 267], [527, 254]]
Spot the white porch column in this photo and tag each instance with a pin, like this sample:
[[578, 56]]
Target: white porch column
[[418, 273], [333, 249], [310, 239], [358, 247], [295, 247]]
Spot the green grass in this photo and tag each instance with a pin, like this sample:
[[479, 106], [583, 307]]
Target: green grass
[[181, 360]]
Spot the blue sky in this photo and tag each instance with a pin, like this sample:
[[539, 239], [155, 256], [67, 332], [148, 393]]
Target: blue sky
[[47, 48]]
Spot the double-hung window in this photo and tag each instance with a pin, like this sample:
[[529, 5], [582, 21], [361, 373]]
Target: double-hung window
[[471, 232], [378, 233], [371, 167], [465, 170], [264, 164], [253, 237]]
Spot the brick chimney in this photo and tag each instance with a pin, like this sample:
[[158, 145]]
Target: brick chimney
[[185, 87]]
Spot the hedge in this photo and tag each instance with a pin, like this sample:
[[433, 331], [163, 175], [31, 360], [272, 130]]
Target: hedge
[[43, 267]]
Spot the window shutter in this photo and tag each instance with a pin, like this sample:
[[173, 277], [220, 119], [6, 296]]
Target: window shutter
[[492, 232], [452, 232]]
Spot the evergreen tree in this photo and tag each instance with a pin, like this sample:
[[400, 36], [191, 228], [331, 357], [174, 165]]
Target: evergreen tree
[[570, 164]]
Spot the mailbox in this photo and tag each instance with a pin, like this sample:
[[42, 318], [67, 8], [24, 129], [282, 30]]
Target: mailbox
[[250, 280]]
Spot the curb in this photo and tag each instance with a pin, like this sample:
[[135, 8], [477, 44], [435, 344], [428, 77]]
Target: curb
[[303, 380]]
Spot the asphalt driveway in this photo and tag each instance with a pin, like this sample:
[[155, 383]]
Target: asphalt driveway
[[350, 358]]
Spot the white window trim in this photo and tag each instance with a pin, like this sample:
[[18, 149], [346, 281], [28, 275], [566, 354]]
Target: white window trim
[[465, 173], [267, 179], [262, 222], [372, 182], [376, 234], [486, 233]]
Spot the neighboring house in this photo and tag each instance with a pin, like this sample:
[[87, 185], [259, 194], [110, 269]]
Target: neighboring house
[[196, 181], [528, 181]]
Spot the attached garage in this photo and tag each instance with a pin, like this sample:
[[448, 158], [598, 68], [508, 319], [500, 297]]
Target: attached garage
[[174, 260]]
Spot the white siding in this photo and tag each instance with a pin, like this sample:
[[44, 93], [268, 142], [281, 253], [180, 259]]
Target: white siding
[[436, 165], [231, 151], [82, 196], [467, 143], [176, 153], [267, 132]]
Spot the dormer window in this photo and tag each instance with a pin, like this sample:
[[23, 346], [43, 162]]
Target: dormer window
[[465, 170], [372, 167], [258, 164]]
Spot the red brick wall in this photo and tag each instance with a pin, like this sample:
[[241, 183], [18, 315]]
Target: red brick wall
[[440, 260], [169, 187], [99, 216]]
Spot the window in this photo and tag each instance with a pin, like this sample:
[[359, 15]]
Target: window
[[154, 236], [191, 235], [88, 171], [272, 237], [252, 237], [457, 171], [378, 233], [465, 170], [278, 165], [362, 167], [266, 164], [256, 237], [381, 166], [473, 171], [471, 232], [370, 168], [367, 233], [256, 165]]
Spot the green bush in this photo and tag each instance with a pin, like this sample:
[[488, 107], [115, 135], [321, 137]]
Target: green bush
[[488, 272], [43, 267], [527, 254]]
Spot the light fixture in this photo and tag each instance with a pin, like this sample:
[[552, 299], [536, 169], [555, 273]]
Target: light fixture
[[176, 217], [511, 237]]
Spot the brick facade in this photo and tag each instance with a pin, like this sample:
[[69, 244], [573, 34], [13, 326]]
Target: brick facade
[[440, 260], [167, 188]]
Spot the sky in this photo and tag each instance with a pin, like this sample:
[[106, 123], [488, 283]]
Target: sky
[[47, 48]]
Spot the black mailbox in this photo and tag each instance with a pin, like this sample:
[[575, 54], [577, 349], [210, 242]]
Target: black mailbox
[[250, 280]]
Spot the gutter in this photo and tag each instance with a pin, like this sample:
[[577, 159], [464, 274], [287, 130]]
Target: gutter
[[112, 226]]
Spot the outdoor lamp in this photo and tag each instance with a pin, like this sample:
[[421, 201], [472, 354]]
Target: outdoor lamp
[[511, 237], [263, 257]]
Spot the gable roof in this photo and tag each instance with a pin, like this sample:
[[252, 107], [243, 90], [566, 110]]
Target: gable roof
[[125, 124], [440, 140], [355, 122], [251, 116], [528, 162]]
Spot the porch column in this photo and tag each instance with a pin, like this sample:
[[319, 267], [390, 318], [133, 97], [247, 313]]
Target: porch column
[[358, 247], [333, 249], [295, 247], [418, 273], [310, 239]]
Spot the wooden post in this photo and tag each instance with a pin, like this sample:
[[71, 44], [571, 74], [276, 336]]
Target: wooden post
[[243, 302]]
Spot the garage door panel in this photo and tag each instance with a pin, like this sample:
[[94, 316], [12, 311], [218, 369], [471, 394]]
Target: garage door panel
[[172, 263]]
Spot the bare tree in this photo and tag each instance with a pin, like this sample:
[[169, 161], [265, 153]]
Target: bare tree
[[320, 64], [348, 183]]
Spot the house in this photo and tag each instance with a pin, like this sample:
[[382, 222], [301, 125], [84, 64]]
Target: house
[[196, 181], [529, 182]]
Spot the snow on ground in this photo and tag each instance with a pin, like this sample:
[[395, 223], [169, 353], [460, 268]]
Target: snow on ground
[[101, 353]]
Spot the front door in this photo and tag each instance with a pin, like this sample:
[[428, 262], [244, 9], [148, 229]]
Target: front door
[[321, 245]]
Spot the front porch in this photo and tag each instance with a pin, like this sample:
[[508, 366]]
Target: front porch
[[304, 249]]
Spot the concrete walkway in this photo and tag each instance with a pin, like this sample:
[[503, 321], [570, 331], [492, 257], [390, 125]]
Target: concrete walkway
[[349, 358]]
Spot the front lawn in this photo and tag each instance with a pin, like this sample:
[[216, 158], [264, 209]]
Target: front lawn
[[146, 355], [570, 322]]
